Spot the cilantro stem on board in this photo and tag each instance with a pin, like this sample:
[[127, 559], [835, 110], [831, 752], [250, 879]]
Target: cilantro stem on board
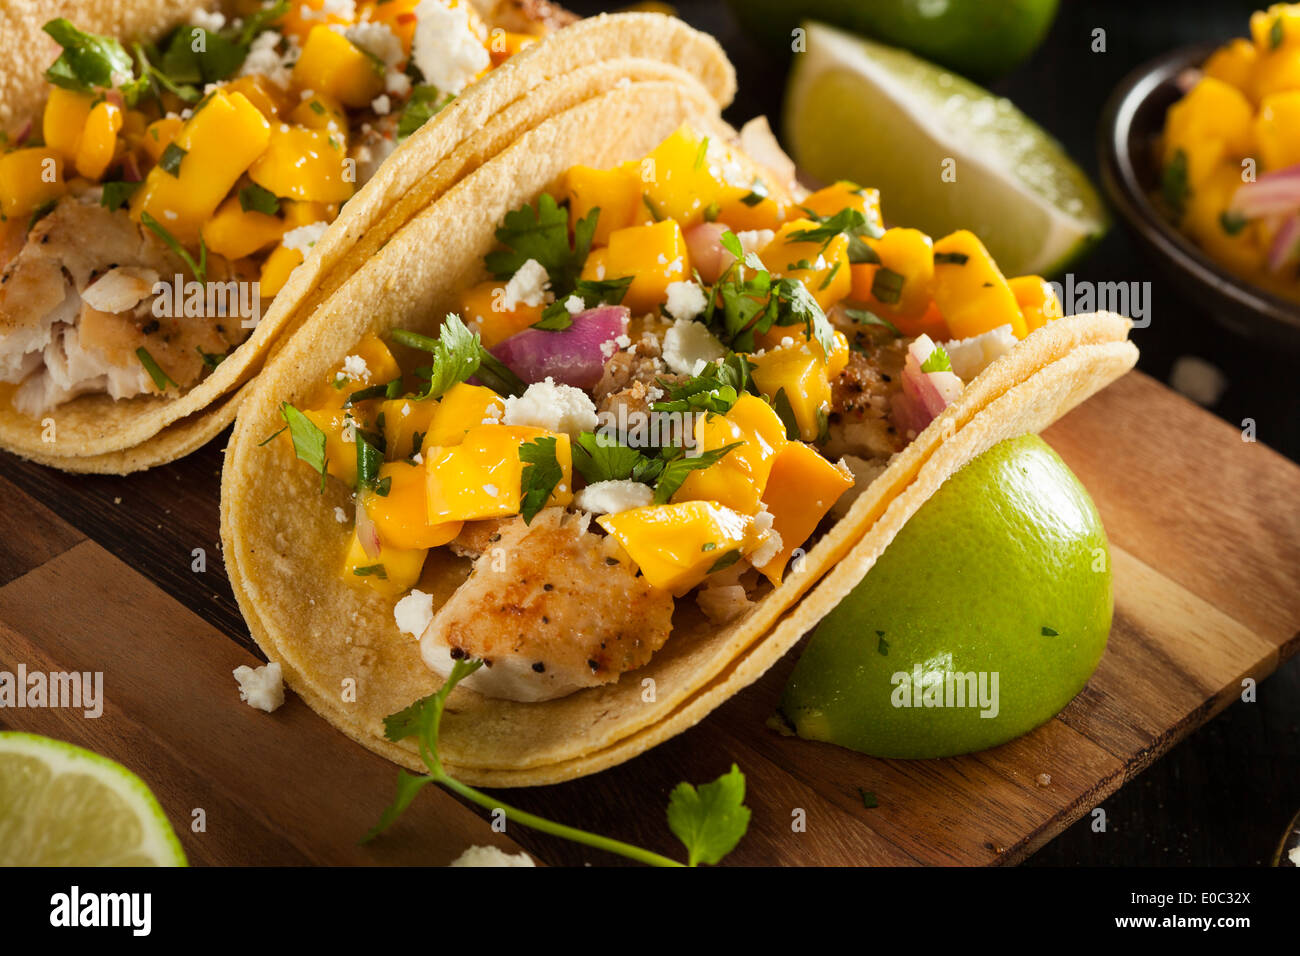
[[709, 821]]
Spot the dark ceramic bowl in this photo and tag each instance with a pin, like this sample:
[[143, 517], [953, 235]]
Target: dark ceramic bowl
[[1130, 173]]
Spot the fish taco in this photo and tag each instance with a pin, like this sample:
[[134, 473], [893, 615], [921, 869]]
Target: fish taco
[[174, 206], [621, 414]]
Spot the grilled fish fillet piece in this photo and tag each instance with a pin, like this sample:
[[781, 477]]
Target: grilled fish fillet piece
[[551, 608], [76, 303]]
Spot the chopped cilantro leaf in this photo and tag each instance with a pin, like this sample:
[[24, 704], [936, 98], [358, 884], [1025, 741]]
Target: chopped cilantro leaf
[[937, 361], [675, 471], [457, 353], [308, 440], [541, 473], [255, 198], [710, 819]]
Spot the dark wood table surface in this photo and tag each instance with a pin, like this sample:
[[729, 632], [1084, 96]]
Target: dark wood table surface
[[1222, 796]]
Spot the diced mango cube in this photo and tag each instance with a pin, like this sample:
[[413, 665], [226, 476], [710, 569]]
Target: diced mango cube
[[235, 232], [1234, 64], [800, 491], [616, 192], [675, 545], [305, 164], [220, 141], [391, 573], [799, 371], [970, 290], [684, 175], [438, 422], [1037, 299], [276, 269], [332, 64], [901, 285], [1211, 121], [823, 267], [1277, 130], [482, 306], [29, 178], [65, 119], [655, 256], [402, 515], [480, 477], [835, 198]]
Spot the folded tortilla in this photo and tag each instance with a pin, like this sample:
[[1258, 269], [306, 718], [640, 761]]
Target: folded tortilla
[[565, 68], [338, 645]]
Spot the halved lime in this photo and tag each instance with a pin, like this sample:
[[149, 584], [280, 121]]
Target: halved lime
[[944, 153], [61, 805]]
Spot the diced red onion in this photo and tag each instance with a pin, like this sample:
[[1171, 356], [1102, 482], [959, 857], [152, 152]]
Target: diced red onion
[[1284, 243], [1273, 193], [367, 533], [574, 356], [704, 243], [925, 394]]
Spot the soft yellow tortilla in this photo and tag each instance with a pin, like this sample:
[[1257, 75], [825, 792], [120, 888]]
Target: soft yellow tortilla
[[175, 441], [562, 70], [338, 644]]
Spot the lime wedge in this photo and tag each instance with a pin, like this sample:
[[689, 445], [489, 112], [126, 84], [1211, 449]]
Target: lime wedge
[[944, 153], [61, 805]]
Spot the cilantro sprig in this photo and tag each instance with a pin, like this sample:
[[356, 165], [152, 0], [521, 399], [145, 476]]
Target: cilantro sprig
[[540, 474], [456, 353], [88, 60], [709, 820], [308, 440], [541, 232], [753, 304], [599, 457]]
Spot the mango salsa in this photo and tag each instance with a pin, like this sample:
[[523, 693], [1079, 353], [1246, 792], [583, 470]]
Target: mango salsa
[[391, 573], [481, 476], [401, 513], [29, 178], [219, 143], [799, 372], [800, 490], [655, 256], [676, 544]]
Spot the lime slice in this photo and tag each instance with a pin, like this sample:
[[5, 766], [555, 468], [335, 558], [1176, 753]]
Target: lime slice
[[61, 805], [944, 153]]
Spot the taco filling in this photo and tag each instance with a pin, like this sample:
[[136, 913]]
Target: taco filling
[[219, 155], [679, 372]]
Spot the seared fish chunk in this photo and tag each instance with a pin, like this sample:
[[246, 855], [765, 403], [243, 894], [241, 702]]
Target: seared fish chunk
[[551, 608]]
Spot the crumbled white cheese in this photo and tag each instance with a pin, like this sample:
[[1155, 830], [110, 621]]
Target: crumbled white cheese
[[413, 613], [527, 286], [445, 47], [971, 356], [772, 545], [1293, 855], [574, 304], [260, 687], [340, 515], [555, 407], [723, 604], [304, 237], [381, 104], [689, 346], [491, 856], [355, 368], [608, 348], [611, 497], [755, 240], [686, 300], [623, 342], [378, 40], [211, 21], [397, 83], [265, 60]]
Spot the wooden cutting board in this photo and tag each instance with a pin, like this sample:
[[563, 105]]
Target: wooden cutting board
[[97, 574]]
